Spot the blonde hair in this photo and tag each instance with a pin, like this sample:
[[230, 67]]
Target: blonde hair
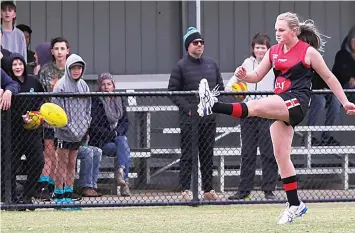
[[306, 30]]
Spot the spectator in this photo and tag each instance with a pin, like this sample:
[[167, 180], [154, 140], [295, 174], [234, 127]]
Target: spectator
[[109, 129], [255, 131], [13, 38], [49, 74], [43, 56], [69, 137], [25, 142], [52, 72], [185, 77], [27, 31], [4, 57], [344, 64], [90, 158]]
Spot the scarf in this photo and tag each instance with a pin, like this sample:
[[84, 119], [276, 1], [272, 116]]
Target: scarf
[[113, 109]]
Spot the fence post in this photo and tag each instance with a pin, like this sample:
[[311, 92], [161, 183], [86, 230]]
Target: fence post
[[194, 148], [7, 157], [141, 122]]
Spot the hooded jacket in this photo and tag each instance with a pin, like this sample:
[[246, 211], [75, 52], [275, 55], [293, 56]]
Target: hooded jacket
[[344, 64], [78, 109], [44, 55], [266, 84], [23, 104]]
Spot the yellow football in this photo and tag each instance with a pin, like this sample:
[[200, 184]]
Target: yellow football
[[238, 87], [36, 120], [54, 115]]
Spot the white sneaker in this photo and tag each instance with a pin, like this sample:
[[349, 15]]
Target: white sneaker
[[207, 98], [291, 213]]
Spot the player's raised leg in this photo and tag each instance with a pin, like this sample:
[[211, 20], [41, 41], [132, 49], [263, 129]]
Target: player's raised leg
[[271, 107]]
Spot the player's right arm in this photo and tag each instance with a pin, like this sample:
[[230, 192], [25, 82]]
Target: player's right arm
[[234, 78], [258, 74]]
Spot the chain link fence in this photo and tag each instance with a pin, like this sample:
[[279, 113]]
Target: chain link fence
[[150, 153]]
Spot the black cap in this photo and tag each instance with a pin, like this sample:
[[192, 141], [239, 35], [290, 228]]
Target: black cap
[[77, 64], [24, 28], [191, 35]]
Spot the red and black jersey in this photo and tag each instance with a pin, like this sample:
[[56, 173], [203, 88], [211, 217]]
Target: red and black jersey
[[291, 71]]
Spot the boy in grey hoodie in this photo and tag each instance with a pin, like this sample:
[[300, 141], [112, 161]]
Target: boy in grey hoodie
[[78, 110]]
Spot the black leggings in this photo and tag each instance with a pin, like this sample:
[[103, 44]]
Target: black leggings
[[27, 143]]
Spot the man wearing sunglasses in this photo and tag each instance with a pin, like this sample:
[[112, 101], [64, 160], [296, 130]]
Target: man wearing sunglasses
[[186, 76]]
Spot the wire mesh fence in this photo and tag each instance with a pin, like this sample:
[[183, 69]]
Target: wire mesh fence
[[122, 149]]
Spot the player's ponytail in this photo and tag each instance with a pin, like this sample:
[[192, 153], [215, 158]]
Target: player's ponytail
[[306, 31], [310, 34]]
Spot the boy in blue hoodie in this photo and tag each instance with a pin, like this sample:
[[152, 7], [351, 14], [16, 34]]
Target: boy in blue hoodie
[[78, 110]]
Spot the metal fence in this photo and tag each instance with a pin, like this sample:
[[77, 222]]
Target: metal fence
[[151, 157]]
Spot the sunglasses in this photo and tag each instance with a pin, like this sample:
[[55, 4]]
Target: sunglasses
[[196, 42]]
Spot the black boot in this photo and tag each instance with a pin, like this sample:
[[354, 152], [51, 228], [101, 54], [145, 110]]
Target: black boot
[[45, 194], [269, 195], [240, 196]]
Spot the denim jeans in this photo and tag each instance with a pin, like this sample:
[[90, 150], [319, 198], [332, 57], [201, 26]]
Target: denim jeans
[[121, 150], [90, 158], [320, 102]]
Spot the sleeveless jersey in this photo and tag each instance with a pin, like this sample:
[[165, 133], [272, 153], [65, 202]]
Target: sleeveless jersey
[[292, 74]]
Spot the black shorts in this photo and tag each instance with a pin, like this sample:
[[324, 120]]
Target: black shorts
[[48, 133], [297, 104], [68, 145]]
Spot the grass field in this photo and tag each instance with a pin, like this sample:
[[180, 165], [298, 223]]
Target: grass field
[[321, 218]]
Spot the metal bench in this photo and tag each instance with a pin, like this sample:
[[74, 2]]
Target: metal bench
[[307, 150]]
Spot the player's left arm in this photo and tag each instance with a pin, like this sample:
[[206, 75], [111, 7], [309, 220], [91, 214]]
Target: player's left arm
[[315, 59]]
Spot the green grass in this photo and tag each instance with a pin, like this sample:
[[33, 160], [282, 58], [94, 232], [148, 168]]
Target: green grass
[[321, 218]]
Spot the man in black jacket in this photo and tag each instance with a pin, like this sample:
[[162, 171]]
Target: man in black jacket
[[186, 76]]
